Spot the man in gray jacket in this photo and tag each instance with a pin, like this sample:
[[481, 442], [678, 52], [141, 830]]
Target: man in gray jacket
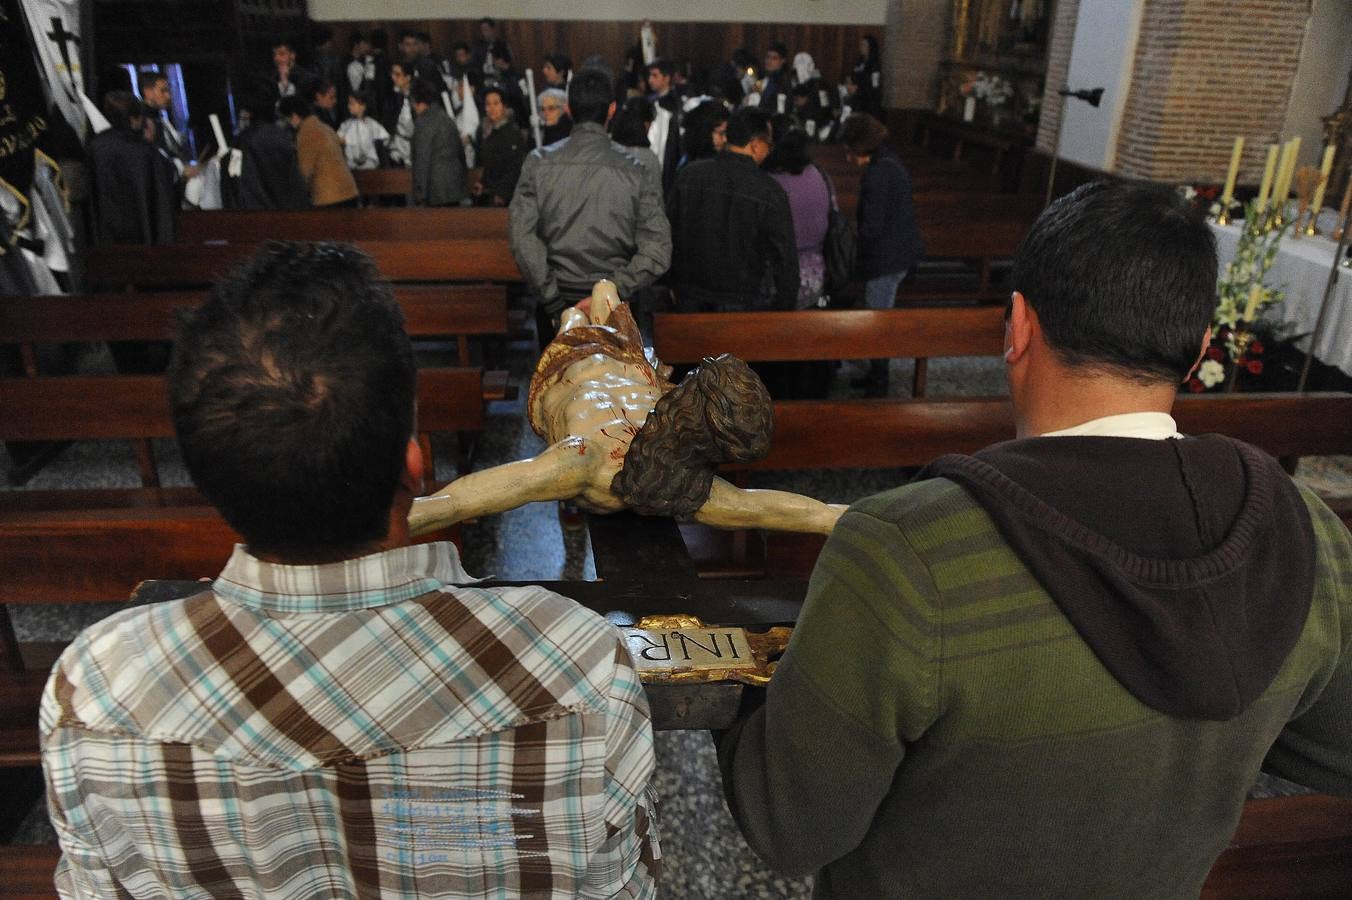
[[584, 211], [438, 172]]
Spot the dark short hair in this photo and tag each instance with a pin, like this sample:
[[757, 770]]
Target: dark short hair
[[295, 105], [500, 50], [863, 134], [666, 66], [356, 38], [1122, 276], [423, 37], [147, 80], [424, 91], [778, 48], [790, 153], [120, 107], [747, 124], [460, 45], [292, 390], [287, 42], [489, 20], [362, 96], [402, 65], [494, 88], [316, 86], [590, 95], [629, 128], [700, 122], [559, 61]]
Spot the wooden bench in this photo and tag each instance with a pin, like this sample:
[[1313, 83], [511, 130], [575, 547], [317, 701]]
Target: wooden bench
[[1283, 847], [459, 311], [391, 182], [446, 260], [917, 333], [384, 223]]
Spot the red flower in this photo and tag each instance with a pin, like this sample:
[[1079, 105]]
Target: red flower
[[1214, 352], [1255, 366], [1208, 192], [1195, 385], [1256, 347]]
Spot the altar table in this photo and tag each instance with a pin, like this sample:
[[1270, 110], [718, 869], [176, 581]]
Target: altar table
[[1301, 269]]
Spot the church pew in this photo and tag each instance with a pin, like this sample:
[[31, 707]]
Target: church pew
[[95, 525], [1283, 847], [390, 182], [177, 267], [915, 333], [460, 311], [385, 223]]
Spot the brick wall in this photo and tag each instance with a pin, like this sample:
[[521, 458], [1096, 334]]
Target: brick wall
[[917, 39], [1206, 71], [1058, 64]]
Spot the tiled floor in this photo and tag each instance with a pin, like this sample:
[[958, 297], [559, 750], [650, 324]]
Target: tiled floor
[[705, 857]]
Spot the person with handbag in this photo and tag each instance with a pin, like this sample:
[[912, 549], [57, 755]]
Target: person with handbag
[[889, 238]]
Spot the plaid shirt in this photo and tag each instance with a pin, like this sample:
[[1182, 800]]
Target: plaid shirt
[[357, 729]]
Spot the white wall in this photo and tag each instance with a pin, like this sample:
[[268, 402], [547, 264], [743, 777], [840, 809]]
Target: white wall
[[1321, 76], [840, 12], [1103, 55]]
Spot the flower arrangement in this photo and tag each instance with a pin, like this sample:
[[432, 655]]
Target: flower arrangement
[[1231, 337], [1205, 197], [993, 89]]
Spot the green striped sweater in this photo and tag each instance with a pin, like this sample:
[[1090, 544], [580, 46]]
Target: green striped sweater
[[937, 727]]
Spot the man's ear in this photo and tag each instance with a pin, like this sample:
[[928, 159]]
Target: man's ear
[[1020, 328], [412, 478], [1201, 355], [610, 113]]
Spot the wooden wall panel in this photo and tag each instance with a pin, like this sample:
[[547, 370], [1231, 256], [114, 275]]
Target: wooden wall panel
[[833, 47]]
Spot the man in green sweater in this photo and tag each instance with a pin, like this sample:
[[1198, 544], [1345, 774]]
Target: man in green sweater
[[1054, 668]]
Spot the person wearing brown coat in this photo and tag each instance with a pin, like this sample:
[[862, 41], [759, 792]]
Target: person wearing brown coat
[[319, 156]]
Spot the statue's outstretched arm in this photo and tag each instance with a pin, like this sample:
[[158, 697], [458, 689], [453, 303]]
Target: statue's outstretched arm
[[559, 473], [732, 507]]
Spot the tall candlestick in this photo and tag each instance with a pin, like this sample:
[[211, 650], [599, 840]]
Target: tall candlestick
[[1255, 292], [1269, 170], [1325, 167], [1228, 194], [1288, 170]]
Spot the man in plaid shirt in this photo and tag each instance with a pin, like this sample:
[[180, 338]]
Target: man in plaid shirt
[[342, 714]]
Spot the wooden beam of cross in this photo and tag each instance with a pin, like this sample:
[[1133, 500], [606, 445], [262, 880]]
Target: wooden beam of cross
[[643, 569]]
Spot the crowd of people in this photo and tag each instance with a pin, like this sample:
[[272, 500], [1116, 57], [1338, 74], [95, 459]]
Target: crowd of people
[[700, 189]]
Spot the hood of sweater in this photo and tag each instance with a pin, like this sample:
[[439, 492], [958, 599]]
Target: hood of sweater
[[1186, 565]]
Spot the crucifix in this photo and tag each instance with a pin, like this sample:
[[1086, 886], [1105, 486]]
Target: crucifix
[[63, 40]]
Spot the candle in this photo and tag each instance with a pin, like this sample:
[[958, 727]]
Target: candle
[[1277, 196], [1288, 172], [1268, 171], [1255, 291], [1228, 194], [1346, 204], [1325, 168]]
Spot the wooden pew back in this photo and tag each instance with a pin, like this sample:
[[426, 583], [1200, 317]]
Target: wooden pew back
[[198, 265], [830, 334], [383, 223]]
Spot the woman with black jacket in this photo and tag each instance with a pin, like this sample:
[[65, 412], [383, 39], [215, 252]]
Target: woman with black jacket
[[500, 148], [889, 239]]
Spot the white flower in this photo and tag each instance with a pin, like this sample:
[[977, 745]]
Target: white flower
[[1211, 373]]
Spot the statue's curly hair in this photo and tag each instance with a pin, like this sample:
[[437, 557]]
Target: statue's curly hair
[[719, 413]]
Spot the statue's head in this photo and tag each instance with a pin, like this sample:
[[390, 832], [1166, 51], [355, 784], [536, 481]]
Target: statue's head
[[719, 413], [292, 390]]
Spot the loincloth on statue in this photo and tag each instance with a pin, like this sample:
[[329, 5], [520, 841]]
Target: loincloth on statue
[[618, 339]]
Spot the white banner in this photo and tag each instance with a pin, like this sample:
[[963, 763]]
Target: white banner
[[55, 27]]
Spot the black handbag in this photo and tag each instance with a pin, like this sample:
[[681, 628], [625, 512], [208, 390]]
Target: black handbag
[[841, 245]]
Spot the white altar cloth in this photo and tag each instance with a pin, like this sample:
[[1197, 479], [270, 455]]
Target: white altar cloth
[[1301, 269]]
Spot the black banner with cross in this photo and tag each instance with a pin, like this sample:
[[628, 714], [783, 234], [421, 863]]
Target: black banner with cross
[[23, 114]]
